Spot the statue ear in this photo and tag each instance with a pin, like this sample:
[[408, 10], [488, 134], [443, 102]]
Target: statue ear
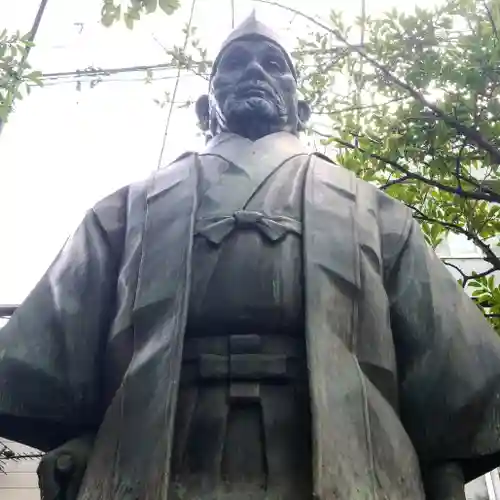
[[304, 113], [203, 112]]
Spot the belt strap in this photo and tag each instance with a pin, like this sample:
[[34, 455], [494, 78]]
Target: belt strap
[[244, 361]]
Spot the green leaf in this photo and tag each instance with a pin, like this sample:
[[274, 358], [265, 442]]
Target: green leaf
[[4, 112], [34, 75], [491, 282], [150, 6], [129, 21], [169, 6], [134, 13], [474, 284], [107, 19]]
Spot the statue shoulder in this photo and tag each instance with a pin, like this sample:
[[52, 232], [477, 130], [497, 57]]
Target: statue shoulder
[[393, 215], [389, 209], [395, 221], [393, 218], [129, 201], [125, 209], [175, 168], [111, 210], [111, 215]]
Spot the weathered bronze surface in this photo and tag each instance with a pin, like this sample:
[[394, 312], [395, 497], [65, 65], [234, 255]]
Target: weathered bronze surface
[[251, 322]]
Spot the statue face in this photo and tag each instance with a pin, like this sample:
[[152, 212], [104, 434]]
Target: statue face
[[253, 92]]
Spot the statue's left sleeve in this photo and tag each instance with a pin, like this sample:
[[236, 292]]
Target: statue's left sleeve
[[51, 350], [448, 362]]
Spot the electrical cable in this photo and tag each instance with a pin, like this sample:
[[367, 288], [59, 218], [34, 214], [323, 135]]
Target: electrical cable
[[174, 93]]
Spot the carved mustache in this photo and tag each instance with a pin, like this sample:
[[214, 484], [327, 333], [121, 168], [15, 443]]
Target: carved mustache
[[259, 88]]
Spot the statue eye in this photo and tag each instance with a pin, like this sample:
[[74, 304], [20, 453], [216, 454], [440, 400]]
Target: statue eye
[[232, 62], [275, 65]]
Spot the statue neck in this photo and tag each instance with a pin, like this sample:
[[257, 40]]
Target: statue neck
[[282, 142], [256, 129]]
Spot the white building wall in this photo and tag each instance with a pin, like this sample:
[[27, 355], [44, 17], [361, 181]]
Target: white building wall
[[478, 490]]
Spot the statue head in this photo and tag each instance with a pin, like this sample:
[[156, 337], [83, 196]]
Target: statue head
[[253, 86]]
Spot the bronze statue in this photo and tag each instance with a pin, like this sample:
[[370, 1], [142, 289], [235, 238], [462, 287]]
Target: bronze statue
[[251, 322]]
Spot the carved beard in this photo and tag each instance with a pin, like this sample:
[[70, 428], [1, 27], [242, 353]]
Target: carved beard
[[254, 116]]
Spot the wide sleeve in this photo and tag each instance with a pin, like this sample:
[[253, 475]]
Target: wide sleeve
[[448, 362], [51, 349]]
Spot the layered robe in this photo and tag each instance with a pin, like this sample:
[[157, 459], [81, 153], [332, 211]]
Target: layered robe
[[404, 371], [243, 420]]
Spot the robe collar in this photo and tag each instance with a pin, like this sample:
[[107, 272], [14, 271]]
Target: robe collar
[[272, 149]]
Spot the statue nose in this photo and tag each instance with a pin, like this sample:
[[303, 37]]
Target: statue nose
[[254, 69]]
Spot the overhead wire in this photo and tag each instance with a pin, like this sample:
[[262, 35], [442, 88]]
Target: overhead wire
[[137, 79], [174, 93], [91, 71], [106, 71]]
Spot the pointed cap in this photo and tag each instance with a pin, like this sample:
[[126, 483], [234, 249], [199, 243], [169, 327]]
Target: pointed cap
[[251, 27]]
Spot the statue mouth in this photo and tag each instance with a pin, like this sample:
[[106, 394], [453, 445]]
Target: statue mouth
[[254, 90], [254, 100]]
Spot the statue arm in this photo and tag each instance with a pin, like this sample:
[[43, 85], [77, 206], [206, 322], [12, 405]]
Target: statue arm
[[52, 347], [448, 363], [60, 472]]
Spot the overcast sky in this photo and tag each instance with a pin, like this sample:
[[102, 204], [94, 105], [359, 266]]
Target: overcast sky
[[65, 149]]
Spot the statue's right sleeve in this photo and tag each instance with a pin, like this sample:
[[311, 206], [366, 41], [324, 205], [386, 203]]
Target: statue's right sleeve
[[448, 363], [51, 349]]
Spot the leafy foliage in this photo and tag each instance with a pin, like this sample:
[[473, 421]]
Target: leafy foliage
[[15, 74], [487, 295], [16, 79], [113, 11], [416, 111]]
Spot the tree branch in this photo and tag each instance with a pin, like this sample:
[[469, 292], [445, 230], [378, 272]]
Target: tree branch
[[492, 21], [464, 276], [468, 277], [458, 165], [365, 106], [473, 135], [493, 198], [484, 273], [490, 256], [388, 184]]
